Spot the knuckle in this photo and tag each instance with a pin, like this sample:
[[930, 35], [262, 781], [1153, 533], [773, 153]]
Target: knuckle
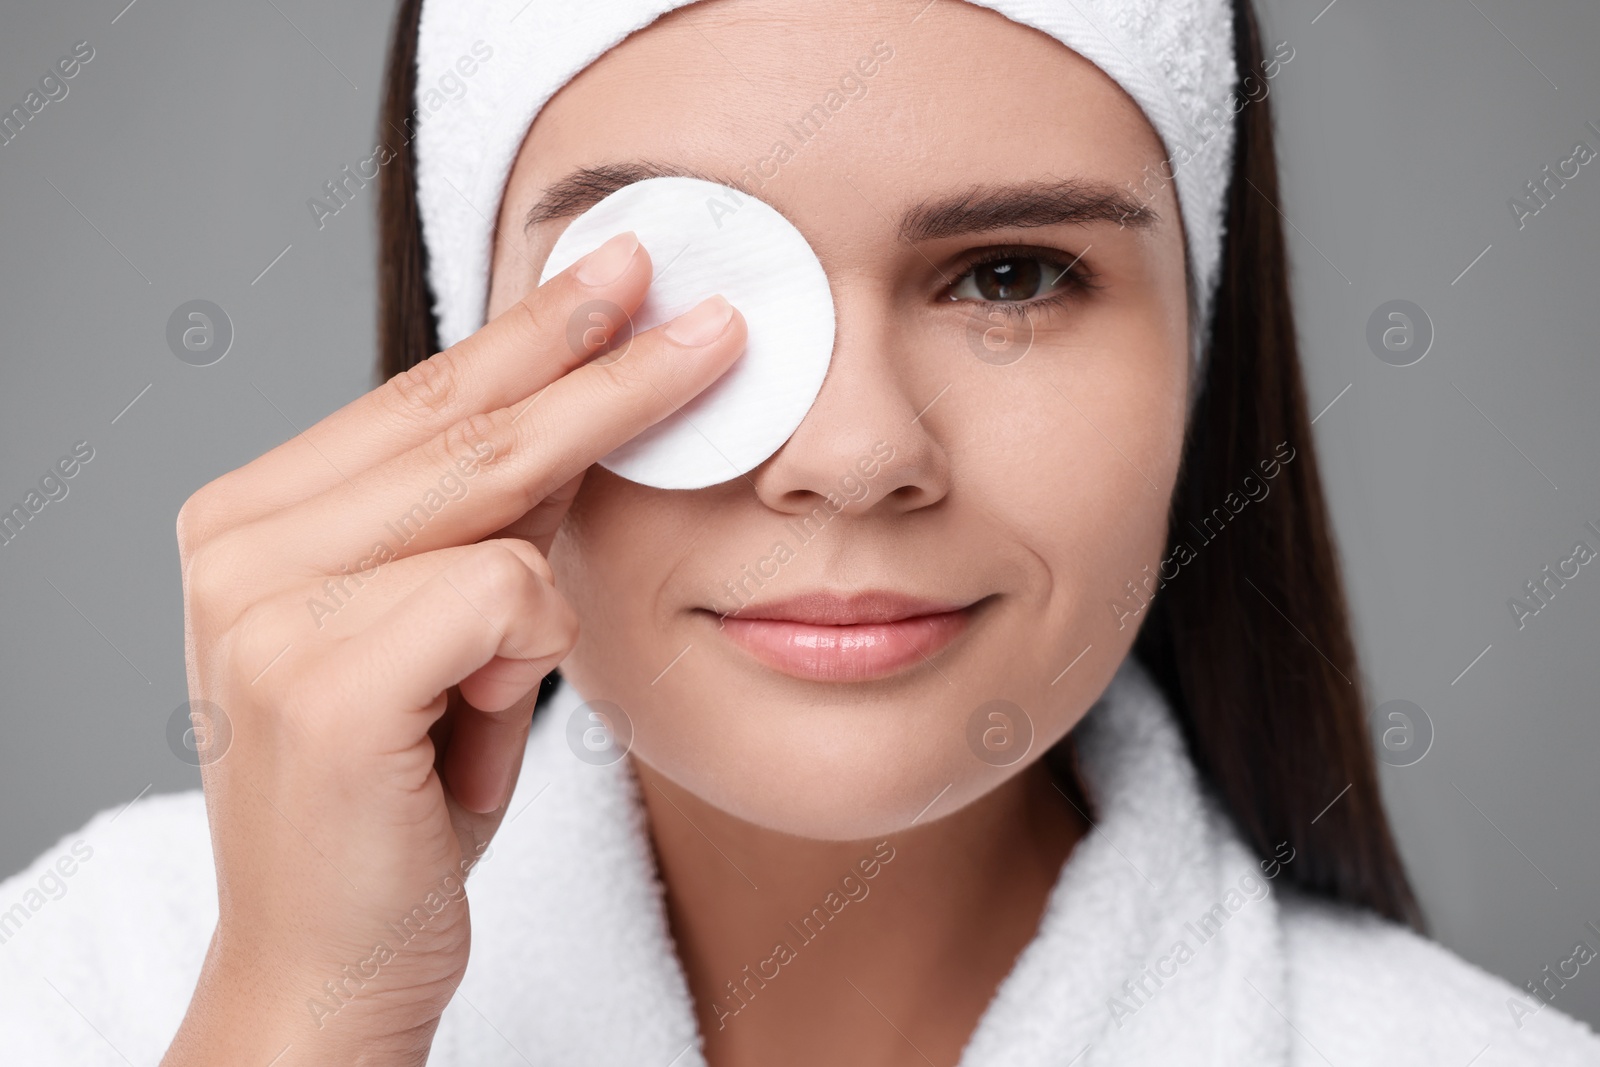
[[212, 573], [531, 557], [496, 582], [532, 316], [191, 524], [483, 439], [300, 703], [541, 566], [256, 641], [199, 515], [623, 378], [310, 704], [613, 388], [567, 619], [427, 390]]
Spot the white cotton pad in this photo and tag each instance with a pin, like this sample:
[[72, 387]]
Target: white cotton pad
[[704, 239]]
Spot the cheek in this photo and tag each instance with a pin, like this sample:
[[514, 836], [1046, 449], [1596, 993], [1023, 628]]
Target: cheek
[[598, 557], [614, 557], [510, 278], [1074, 457], [1077, 453]]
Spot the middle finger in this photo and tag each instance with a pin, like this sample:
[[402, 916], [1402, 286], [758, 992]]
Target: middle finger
[[524, 349], [507, 460]]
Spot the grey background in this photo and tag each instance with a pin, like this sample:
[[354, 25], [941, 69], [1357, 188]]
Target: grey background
[[185, 151]]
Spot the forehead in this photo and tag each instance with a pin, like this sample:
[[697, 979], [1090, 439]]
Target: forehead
[[818, 98]]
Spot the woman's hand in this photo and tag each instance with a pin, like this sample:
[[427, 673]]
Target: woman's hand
[[375, 642]]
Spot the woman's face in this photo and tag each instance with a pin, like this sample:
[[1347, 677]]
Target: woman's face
[[993, 435]]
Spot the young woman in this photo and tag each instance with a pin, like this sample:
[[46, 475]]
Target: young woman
[[1044, 746]]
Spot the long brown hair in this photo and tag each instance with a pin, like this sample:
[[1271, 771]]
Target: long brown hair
[[1252, 642]]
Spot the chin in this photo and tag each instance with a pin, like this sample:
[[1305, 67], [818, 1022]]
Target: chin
[[828, 773]]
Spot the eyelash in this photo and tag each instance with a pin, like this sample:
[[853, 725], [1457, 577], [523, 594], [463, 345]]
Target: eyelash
[[1073, 278]]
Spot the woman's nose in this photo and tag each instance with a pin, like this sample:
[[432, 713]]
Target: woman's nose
[[865, 443]]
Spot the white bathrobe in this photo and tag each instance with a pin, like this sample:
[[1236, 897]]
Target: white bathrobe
[[1164, 941]]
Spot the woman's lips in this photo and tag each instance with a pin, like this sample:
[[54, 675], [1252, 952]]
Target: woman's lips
[[822, 637]]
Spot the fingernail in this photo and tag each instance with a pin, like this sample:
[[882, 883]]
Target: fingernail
[[701, 324], [605, 264]]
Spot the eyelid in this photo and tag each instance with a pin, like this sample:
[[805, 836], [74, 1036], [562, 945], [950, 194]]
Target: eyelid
[[991, 253]]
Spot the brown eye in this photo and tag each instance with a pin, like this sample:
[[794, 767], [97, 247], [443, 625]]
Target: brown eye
[[1009, 279]]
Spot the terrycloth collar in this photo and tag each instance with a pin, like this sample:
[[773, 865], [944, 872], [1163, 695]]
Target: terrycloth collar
[[1160, 943]]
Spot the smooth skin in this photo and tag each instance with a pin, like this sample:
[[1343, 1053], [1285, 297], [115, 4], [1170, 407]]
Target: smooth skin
[[1042, 485], [372, 755]]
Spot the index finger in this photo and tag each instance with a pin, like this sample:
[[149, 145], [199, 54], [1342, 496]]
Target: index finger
[[518, 353], [513, 462]]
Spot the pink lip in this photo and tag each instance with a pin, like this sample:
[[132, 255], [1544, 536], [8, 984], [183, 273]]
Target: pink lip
[[824, 637]]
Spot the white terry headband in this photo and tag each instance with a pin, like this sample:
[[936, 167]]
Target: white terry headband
[[1173, 57]]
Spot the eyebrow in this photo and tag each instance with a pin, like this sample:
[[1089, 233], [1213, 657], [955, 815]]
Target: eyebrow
[[977, 209]]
